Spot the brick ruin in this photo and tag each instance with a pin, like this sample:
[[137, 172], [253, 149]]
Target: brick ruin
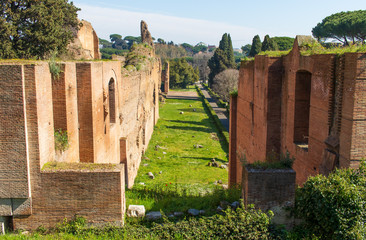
[[109, 114], [314, 107], [86, 43], [165, 79]]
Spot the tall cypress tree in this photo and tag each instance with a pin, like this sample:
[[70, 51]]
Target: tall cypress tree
[[266, 45], [269, 44], [224, 43], [230, 53], [222, 59], [256, 46]]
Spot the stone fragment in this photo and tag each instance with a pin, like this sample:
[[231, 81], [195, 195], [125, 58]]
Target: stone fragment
[[235, 205], [190, 105], [193, 212], [153, 215], [181, 113], [209, 164], [219, 181], [160, 172], [215, 183], [202, 212], [197, 146], [219, 209], [215, 164], [136, 211], [164, 153], [213, 160], [159, 158], [194, 109], [178, 214], [223, 166], [225, 186], [151, 175], [145, 164], [141, 183]]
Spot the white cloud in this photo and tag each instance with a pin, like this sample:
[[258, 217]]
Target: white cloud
[[107, 21]]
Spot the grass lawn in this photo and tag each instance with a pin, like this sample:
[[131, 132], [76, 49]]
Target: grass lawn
[[185, 181]]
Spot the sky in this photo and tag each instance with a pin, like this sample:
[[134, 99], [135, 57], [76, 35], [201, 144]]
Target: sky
[[194, 21]]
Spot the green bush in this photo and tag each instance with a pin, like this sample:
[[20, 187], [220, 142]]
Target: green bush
[[334, 207], [239, 224]]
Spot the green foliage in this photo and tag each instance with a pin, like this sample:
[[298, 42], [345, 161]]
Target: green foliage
[[334, 207], [283, 43], [75, 226], [55, 68], [273, 161], [182, 73], [233, 224], [246, 49], [108, 52], [61, 140], [345, 27], [268, 44], [234, 93], [256, 46], [222, 59], [33, 29]]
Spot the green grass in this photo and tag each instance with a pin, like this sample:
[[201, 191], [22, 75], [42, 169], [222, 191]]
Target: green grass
[[186, 181]]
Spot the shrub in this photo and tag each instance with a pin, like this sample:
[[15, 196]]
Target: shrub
[[233, 224], [334, 207], [61, 140]]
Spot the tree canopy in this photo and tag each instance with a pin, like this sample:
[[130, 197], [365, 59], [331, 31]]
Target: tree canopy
[[345, 27], [284, 43], [246, 49], [182, 73], [35, 28], [256, 46], [223, 57]]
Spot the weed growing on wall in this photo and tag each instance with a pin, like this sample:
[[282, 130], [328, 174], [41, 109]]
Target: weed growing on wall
[[55, 68], [61, 140]]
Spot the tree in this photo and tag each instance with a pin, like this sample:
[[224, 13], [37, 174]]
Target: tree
[[118, 42], [256, 46], [105, 43], [161, 41], [246, 49], [268, 44], [35, 28], [230, 53], [345, 27], [182, 74], [222, 59], [284, 43], [131, 40], [226, 82]]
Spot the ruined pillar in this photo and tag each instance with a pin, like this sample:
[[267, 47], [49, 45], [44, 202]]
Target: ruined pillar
[[233, 164]]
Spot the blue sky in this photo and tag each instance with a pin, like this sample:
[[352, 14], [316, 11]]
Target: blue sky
[[195, 21]]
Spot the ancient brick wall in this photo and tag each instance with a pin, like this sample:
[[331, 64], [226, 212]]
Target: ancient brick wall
[[14, 178], [268, 188], [98, 107], [97, 196], [311, 106]]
